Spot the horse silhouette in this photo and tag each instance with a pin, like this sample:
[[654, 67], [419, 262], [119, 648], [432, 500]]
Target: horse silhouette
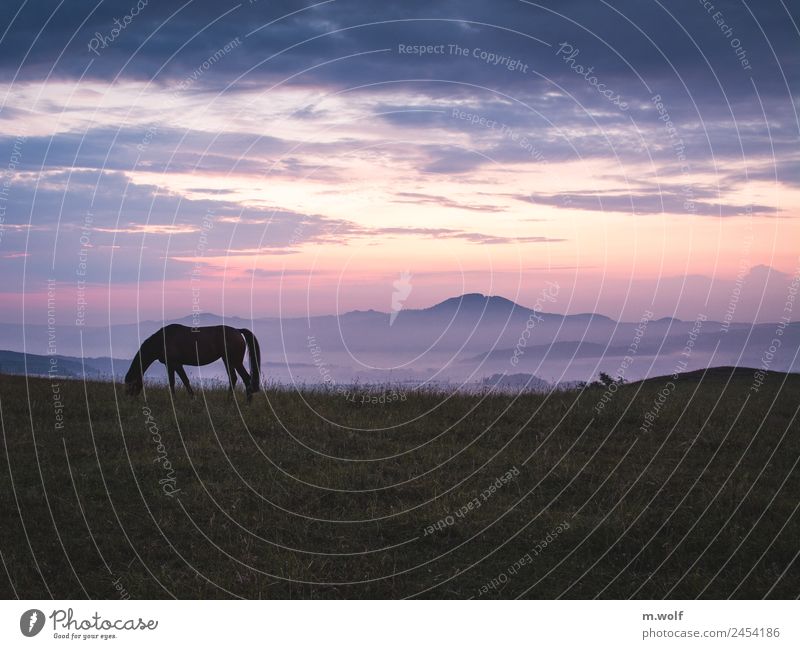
[[177, 345]]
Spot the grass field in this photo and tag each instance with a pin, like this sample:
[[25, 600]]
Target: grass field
[[314, 495]]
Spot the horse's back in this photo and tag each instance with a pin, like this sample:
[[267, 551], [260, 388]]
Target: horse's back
[[176, 330]]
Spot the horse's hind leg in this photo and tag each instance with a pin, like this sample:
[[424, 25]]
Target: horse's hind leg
[[182, 373], [246, 378]]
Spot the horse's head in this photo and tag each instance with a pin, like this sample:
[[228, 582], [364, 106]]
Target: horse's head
[[133, 382], [134, 387]]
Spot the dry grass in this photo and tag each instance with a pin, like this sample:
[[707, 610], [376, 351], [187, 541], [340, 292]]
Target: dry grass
[[312, 495]]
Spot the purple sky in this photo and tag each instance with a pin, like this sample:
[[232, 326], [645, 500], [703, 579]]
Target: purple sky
[[288, 158]]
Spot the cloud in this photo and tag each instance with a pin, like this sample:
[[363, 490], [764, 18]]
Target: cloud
[[670, 201], [274, 140], [443, 201], [445, 233], [626, 42], [135, 231]]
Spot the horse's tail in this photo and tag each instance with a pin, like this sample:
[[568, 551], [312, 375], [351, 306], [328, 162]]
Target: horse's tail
[[255, 358]]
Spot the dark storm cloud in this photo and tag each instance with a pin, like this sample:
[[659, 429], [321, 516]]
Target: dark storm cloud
[[620, 39], [727, 77]]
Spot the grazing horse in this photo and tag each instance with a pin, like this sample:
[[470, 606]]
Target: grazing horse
[[176, 345]]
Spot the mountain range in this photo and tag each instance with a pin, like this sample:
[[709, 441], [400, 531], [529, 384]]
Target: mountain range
[[463, 339]]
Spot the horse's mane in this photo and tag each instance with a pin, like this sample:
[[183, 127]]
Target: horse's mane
[[150, 343]]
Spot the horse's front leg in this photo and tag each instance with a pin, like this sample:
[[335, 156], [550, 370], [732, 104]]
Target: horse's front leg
[[231, 372], [171, 375], [182, 373]]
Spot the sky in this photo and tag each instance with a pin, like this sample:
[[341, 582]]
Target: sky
[[289, 158]]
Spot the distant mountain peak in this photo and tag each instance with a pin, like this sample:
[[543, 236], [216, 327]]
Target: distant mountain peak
[[476, 300], [589, 316]]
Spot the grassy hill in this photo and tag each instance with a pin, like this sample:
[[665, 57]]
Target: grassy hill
[[38, 365], [327, 495]]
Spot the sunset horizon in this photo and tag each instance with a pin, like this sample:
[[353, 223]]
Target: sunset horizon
[[262, 178]]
